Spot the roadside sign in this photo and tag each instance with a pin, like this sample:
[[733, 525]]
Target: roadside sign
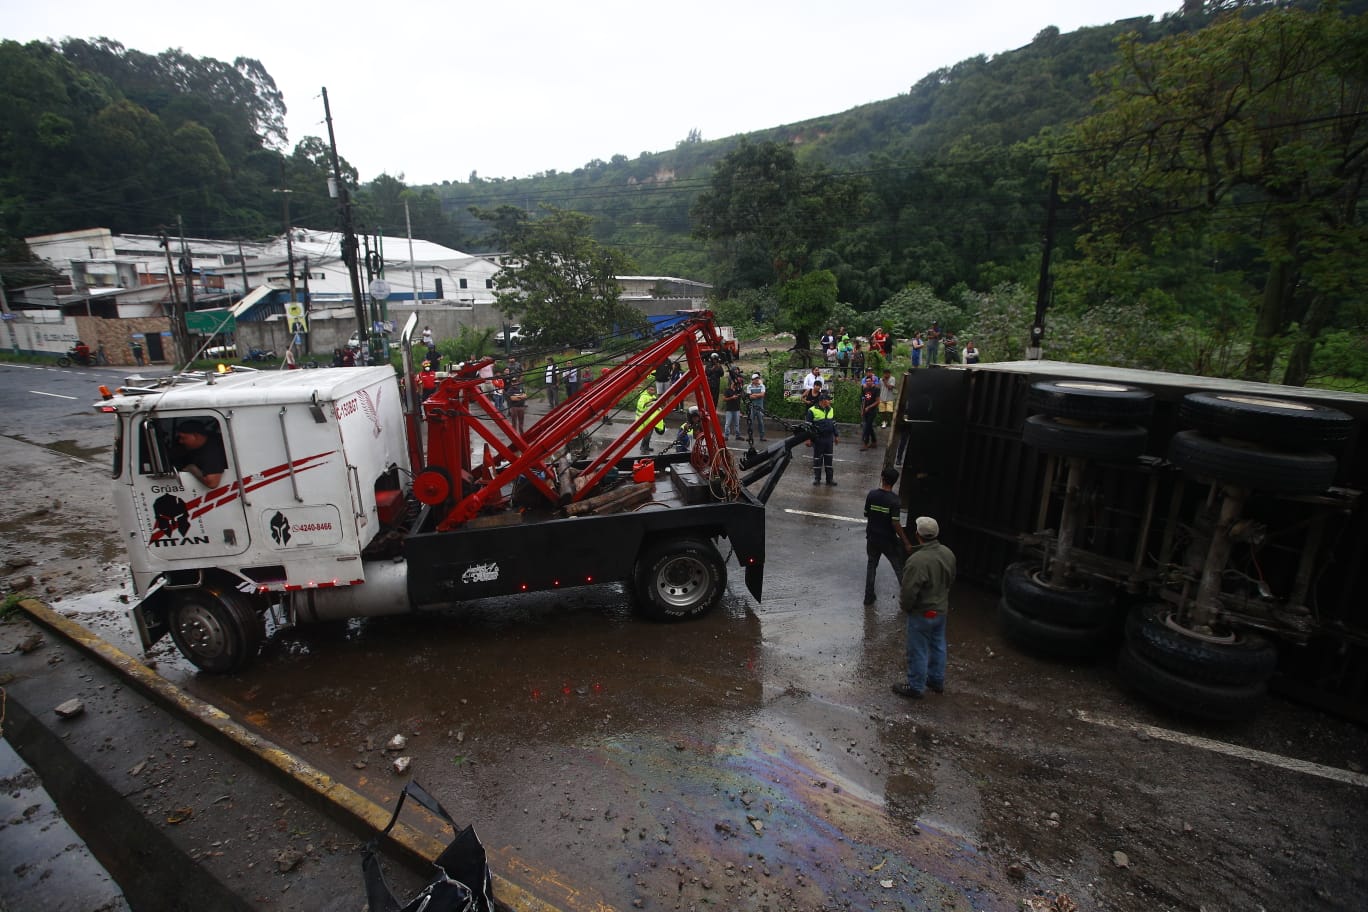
[[294, 314], [209, 322]]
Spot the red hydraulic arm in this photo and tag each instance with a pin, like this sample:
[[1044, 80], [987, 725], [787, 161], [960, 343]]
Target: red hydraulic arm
[[459, 410]]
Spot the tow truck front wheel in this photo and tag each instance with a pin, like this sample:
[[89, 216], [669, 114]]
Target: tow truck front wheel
[[219, 632], [676, 580]]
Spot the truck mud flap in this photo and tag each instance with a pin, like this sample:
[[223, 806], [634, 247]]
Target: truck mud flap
[[147, 615], [755, 579]]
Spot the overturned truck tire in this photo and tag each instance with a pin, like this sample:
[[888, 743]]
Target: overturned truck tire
[[1282, 423], [1235, 657], [1088, 604], [1091, 400], [1203, 699], [1053, 640], [1250, 465], [1109, 443]]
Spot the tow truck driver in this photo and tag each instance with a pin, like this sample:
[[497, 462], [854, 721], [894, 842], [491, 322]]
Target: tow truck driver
[[199, 451]]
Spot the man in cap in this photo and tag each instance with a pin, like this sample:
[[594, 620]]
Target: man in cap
[[825, 438], [715, 372], [689, 430], [925, 597], [427, 380], [755, 400], [199, 451]]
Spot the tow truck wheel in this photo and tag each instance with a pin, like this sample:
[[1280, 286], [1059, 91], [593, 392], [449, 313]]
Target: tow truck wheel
[[676, 579], [218, 632], [1226, 656]]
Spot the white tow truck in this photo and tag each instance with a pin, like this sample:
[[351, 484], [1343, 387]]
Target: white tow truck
[[338, 498]]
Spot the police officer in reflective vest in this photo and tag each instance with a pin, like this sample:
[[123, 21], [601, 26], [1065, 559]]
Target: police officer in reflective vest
[[644, 404], [823, 418]]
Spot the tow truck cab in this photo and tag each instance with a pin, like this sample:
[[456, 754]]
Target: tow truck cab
[[314, 466]]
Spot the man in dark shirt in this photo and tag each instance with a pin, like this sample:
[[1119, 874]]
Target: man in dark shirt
[[199, 451], [884, 534], [715, 373], [869, 408]]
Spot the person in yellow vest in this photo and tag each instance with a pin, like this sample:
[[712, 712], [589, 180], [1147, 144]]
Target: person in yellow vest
[[823, 418], [643, 405]]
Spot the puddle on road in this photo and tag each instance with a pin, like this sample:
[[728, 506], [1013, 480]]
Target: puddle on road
[[79, 449], [819, 823]]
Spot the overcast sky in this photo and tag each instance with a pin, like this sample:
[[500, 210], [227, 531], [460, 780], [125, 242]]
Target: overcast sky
[[434, 90]]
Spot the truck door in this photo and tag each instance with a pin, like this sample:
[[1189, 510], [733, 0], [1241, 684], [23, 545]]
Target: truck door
[[187, 499]]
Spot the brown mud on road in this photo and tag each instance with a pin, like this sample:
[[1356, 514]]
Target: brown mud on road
[[57, 524]]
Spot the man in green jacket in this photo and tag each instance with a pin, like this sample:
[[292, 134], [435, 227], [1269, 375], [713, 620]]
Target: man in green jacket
[[925, 597]]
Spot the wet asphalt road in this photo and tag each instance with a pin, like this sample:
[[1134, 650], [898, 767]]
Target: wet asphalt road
[[756, 759]]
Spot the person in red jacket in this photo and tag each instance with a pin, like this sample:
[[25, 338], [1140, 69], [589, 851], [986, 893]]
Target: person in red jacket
[[427, 380]]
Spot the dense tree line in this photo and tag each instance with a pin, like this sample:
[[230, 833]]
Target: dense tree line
[[933, 201], [93, 134]]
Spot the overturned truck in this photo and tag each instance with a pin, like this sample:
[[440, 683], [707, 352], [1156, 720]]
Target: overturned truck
[[1209, 534]]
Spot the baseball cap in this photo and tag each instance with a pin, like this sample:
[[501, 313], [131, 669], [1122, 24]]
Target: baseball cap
[[927, 527], [193, 426], [755, 375]]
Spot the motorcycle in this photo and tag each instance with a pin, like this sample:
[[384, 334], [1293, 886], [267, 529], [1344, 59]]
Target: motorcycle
[[259, 354], [89, 359]]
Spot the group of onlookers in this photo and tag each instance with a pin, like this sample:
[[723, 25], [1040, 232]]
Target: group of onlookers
[[930, 346], [927, 347]]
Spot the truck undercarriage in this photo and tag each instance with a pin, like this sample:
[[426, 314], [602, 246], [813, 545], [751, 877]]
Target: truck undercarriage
[[1207, 533]]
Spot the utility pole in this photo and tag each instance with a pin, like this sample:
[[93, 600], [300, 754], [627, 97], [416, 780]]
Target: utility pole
[[1033, 344], [289, 240], [187, 266], [413, 274], [8, 317], [348, 235], [289, 251], [178, 330], [380, 274], [242, 261]]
